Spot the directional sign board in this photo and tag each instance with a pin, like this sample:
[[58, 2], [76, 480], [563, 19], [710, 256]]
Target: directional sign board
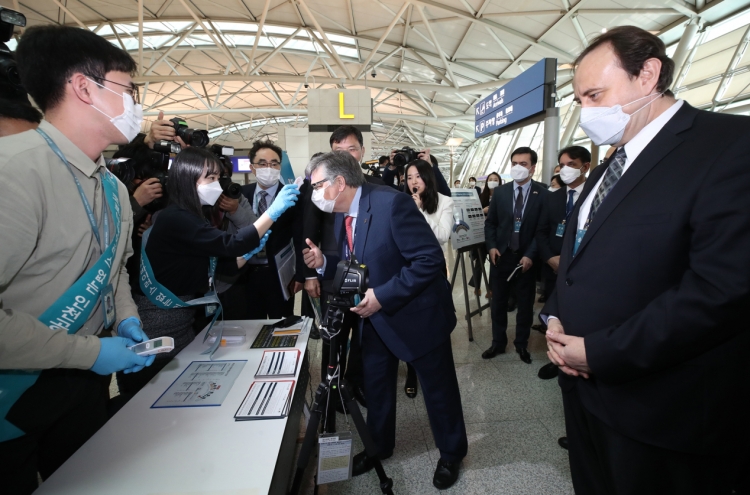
[[525, 97]]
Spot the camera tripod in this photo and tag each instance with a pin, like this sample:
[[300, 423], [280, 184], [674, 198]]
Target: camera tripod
[[330, 389]]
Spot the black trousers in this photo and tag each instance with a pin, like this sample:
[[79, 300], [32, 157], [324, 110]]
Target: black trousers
[[525, 289], [263, 295], [550, 279], [605, 462], [437, 374], [62, 410]]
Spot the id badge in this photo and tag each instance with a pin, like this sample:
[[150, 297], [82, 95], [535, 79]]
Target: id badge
[[108, 306], [560, 229], [517, 226], [210, 309], [579, 238]]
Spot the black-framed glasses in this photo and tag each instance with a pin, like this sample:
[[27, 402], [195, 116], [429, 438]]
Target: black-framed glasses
[[132, 89], [265, 164]]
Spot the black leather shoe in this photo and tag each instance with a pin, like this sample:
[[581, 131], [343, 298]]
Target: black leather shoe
[[548, 371], [314, 333], [362, 463], [524, 354], [563, 442], [412, 385], [446, 474], [539, 328], [492, 352], [359, 395]]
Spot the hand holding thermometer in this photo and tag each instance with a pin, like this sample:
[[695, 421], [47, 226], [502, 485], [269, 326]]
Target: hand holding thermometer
[[153, 346]]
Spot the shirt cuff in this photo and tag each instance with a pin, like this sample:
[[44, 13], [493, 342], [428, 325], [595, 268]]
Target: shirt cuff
[[546, 318], [311, 278], [322, 269]]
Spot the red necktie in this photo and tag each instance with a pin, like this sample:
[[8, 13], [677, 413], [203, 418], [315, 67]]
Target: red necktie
[[349, 234]]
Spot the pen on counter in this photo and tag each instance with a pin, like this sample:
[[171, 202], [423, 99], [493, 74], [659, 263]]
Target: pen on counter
[[257, 396], [264, 399], [273, 388]]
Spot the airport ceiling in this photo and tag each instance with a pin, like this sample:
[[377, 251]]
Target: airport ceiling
[[432, 59]]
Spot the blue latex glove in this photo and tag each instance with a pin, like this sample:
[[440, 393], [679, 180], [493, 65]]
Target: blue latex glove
[[285, 200], [114, 355], [259, 248], [130, 328]]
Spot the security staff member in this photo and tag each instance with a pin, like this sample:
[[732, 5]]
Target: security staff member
[[65, 226], [510, 235], [648, 321], [574, 162]]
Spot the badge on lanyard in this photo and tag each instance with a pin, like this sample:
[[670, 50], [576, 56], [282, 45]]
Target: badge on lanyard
[[517, 226], [579, 238], [108, 306], [560, 229]]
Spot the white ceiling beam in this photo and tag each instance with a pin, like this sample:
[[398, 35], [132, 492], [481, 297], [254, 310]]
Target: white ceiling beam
[[140, 36], [257, 36], [451, 77], [571, 12], [682, 7], [211, 35], [382, 38], [170, 49], [729, 73], [323, 34], [274, 52], [163, 7], [71, 14]]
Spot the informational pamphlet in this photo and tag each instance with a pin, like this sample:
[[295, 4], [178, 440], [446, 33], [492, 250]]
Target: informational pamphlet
[[203, 383], [468, 218], [278, 364], [335, 457], [266, 400]]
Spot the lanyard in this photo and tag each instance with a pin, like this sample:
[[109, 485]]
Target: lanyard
[[525, 200], [84, 199]]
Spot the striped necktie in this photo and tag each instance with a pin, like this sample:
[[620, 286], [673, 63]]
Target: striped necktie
[[611, 176], [262, 203]]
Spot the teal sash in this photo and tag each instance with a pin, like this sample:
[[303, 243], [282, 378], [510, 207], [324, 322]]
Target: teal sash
[[163, 298], [74, 307]]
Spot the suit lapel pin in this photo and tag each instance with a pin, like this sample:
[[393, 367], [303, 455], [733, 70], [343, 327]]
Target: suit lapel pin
[[535, 192]]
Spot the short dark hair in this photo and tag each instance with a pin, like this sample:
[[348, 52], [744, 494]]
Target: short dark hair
[[434, 160], [633, 46], [383, 159], [472, 178], [430, 195], [259, 145], [576, 153], [522, 151], [185, 171], [48, 56], [15, 109], [344, 132], [558, 179]]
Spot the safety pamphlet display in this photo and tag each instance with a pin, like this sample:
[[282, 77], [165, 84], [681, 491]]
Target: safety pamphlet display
[[266, 400], [286, 264], [335, 457], [266, 339], [278, 364], [468, 218], [295, 329], [203, 383]]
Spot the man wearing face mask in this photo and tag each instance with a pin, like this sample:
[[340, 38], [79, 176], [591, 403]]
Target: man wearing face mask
[[648, 322], [473, 184], [65, 226], [574, 163], [265, 296], [510, 236]]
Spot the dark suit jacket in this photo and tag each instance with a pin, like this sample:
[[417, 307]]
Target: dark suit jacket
[[499, 223], [287, 227], [660, 289], [553, 213], [407, 272]]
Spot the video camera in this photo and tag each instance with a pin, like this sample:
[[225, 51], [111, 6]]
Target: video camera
[[193, 137], [231, 189], [350, 282], [404, 156], [10, 82], [143, 166], [373, 167]]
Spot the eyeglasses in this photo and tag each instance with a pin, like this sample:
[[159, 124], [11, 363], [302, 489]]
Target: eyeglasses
[[317, 185], [265, 164], [132, 89]]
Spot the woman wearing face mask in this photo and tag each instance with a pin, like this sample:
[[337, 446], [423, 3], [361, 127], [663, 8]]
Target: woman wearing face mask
[[493, 181], [183, 240], [556, 183], [438, 211]]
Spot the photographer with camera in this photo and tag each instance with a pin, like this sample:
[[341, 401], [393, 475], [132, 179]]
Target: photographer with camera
[[408, 312], [64, 231]]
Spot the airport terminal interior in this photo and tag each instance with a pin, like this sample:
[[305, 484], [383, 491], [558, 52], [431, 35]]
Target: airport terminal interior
[[418, 74]]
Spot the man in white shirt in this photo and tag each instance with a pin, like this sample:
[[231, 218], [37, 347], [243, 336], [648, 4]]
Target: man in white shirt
[[648, 318]]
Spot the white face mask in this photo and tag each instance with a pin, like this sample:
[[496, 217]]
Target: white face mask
[[606, 125], [569, 174], [472, 183], [129, 121], [321, 202], [268, 176], [519, 173], [492, 184], [553, 188], [209, 193]]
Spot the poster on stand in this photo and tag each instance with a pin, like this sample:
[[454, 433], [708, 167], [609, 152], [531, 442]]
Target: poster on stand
[[468, 218]]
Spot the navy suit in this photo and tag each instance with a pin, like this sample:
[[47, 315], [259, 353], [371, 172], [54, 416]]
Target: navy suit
[[549, 243], [659, 290], [498, 228], [406, 266]]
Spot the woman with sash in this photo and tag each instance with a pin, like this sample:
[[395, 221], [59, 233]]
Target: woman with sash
[[182, 250]]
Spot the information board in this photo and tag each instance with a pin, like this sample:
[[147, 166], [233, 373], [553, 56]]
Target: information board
[[526, 96], [468, 218]]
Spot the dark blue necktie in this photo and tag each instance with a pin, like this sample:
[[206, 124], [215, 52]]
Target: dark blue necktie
[[571, 203], [515, 237]]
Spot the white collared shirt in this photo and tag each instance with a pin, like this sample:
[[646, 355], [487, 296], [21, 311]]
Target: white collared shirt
[[271, 191], [633, 148], [353, 212], [576, 190]]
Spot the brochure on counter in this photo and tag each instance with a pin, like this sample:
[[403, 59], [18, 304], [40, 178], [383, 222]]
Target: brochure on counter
[[266, 400], [276, 364]]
